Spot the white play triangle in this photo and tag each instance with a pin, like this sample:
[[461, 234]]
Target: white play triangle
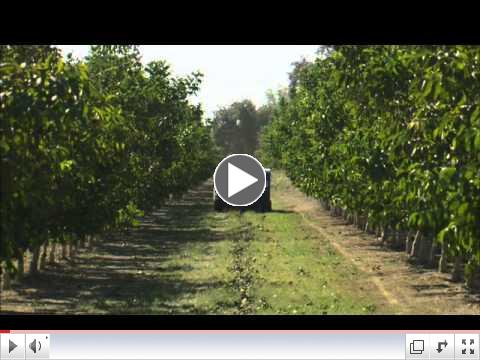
[[238, 180]]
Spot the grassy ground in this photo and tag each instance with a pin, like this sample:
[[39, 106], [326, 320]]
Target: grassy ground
[[187, 259], [298, 272]]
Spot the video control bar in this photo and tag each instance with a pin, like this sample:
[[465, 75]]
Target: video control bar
[[142, 345]]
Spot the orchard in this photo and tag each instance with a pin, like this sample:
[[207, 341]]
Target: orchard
[[389, 137], [88, 146]]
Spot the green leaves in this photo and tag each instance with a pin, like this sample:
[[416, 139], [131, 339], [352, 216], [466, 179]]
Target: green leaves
[[477, 141], [66, 165], [475, 117], [447, 173], [82, 151], [392, 132]]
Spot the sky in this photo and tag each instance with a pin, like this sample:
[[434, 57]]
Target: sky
[[230, 72]]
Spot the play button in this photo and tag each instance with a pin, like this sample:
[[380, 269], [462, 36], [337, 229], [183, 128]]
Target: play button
[[239, 180], [11, 346]]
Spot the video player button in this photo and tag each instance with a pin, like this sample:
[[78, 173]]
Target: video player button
[[417, 346], [239, 180], [466, 346], [12, 346], [37, 346], [442, 346]]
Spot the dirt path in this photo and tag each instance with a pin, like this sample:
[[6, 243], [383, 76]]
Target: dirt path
[[414, 290], [187, 259]]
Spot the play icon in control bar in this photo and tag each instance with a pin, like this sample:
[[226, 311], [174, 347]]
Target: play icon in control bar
[[12, 347]]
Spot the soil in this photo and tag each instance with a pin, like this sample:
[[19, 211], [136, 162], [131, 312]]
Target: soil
[[414, 289], [135, 273]]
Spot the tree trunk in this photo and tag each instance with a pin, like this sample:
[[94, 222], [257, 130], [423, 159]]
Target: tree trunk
[[473, 280], [83, 242], [355, 219], [326, 205], [384, 235], [64, 250], [2, 277], [443, 262], [20, 264], [5, 283], [35, 260], [69, 250], [53, 249], [361, 223], [368, 228], [92, 242], [43, 258], [432, 257], [350, 218], [399, 240], [74, 246], [457, 272], [421, 249], [416, 244], [409, 242], [425, 251], [393, 239], [96, 239]]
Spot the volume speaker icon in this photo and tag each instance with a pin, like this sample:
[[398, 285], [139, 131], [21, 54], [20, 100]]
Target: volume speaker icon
[[35, 346]]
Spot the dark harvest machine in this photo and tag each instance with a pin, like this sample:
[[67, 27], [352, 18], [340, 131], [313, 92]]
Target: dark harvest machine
[[263, 204]]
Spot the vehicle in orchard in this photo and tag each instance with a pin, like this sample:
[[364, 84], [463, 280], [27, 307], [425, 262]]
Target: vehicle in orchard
[[263, 204]]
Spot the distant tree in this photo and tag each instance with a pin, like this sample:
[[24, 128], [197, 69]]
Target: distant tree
[[266, 112], [325, 50], [295, 75], [235, 128]]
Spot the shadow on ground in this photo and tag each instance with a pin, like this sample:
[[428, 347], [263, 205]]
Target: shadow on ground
[[128, 273]]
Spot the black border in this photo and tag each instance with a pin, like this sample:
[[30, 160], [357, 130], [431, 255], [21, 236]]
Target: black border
[[190, 23], [248, 322]]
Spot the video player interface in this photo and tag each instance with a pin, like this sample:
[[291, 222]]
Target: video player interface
[[236, 345], [241, 179]]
